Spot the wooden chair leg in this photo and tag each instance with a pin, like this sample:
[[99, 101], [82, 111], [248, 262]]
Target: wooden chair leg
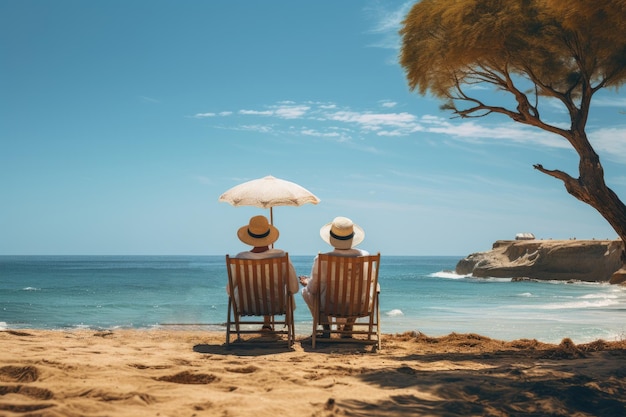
[[228, 323], [378, 323], [289, 322], [292, 330]]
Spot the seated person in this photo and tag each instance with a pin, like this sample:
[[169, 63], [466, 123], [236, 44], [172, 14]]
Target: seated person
[[260, 234], [343, 235]]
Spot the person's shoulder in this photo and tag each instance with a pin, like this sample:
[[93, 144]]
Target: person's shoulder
[[271, 253], [348, 252]]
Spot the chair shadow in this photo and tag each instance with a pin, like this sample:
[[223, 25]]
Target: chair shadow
[[271, 345], [337, 346], [251, 346]]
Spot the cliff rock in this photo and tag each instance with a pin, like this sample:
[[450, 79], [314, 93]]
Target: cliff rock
[[583, 260]]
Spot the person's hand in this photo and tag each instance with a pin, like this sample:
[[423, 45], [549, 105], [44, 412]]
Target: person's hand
[[303, 280]]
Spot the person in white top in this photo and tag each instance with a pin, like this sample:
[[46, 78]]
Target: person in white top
[[260, 234], [343, 235]]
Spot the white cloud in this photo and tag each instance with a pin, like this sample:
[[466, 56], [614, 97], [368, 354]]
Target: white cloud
[[604, 101], [509, 131], [430, 118], [610, 141], [505, 131], [387, 23], [391, 133], [203, 115], [375, 121], [313, 132], [257, 128], [291, 111], [256, 112], [283, 111], [149, 99]]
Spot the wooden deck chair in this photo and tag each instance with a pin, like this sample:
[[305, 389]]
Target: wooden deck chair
[[348, 290], [259, 287]]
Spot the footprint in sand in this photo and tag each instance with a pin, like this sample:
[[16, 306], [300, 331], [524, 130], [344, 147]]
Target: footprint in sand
[[187, 377], [24, 408], [16, 333], [32, 393], [140, 366], [243, 370], [107, 396], [19, 373]]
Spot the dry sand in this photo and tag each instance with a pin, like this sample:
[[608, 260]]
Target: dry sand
[[191, 373]]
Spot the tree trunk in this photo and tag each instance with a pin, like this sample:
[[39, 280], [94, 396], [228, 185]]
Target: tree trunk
[[590, 188], [613, 210]]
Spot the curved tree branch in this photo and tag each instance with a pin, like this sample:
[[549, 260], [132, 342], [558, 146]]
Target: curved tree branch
[[563, 176], [572, 185]]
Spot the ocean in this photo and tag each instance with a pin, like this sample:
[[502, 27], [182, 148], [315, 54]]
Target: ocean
[[419, 294]]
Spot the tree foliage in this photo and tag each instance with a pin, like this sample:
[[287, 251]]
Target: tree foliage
[[560, 46], [531, 50]]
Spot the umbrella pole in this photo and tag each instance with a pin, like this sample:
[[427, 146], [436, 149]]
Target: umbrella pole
[[272, 220]]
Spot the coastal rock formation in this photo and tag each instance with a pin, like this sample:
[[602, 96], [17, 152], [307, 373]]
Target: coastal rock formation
[[583, 260]]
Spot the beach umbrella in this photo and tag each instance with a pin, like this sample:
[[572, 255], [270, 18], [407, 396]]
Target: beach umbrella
[[268, 192]]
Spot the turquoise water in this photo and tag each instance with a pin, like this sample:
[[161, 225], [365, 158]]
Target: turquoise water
[[418, 294]]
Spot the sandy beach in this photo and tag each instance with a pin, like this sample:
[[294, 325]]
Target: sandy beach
[[191, 373]]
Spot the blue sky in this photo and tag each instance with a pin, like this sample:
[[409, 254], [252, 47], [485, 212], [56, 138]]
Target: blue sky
[[122, 122]]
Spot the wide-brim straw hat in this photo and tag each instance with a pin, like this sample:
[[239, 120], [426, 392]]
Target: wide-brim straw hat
[[259, 232], [342, 233]]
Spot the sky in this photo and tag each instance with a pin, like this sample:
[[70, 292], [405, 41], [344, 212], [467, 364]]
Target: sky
[[122, 122]]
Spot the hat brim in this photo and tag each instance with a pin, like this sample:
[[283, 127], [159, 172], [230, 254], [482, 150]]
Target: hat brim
[[272, 237], [358, 237]]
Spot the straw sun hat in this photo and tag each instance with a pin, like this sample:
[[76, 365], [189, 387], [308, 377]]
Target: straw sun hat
[[341, 233], [258, 232]]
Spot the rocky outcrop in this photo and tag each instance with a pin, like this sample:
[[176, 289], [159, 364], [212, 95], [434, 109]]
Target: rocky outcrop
[[583, 260]]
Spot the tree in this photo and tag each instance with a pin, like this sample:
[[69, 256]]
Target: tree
[[533, 51]]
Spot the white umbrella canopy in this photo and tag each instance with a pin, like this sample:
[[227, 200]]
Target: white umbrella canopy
[[268, 192]]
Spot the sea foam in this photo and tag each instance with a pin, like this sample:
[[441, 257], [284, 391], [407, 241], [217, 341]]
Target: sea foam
[[394, 313], [448, 275]]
